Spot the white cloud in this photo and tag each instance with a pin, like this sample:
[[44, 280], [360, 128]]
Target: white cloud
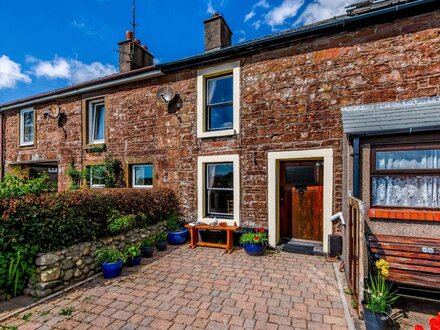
[[256, 24], [210, 10], [323, 9], [242, 34], [78, 24], [287, 9], [10, 73], [249, 15], [261, 3], [72, 70]]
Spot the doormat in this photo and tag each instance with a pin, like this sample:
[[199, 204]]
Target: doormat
[[299, 248]]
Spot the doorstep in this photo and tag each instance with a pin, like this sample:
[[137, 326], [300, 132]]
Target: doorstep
[[301, 247]]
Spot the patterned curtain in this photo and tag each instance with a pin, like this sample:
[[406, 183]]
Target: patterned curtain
[[407, 190]]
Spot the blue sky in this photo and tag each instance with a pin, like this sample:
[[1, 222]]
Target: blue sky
[[48, 44]]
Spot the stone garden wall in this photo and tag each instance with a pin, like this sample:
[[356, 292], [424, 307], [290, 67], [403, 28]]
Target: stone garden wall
[[60, 269]]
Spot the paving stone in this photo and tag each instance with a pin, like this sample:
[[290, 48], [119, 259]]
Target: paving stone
[[192, 289]]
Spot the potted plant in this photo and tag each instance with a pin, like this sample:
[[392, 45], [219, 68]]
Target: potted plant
[[132, 255], [177, 234], [147, 247], [111, 260], [378, 298], [161, 241], [254, 242]]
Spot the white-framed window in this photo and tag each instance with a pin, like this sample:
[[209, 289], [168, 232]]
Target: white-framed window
[[27, 127], [96, 122], [218, 100], [142, 176], [97, 176], [218, 188]]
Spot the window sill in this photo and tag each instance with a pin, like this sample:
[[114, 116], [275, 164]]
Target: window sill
[[212, 134], [97, 147], [404, 214], [27, 146]]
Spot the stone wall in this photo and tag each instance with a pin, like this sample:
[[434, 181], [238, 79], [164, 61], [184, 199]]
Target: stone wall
[[60, 269], [291, 99]]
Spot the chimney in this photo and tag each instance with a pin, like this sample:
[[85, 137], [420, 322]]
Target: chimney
[[132, 55], [217, 33]]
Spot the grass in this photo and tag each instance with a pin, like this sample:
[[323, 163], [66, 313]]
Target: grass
[[66, 311]]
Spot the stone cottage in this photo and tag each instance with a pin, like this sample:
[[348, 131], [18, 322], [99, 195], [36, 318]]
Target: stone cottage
[[253, 133]]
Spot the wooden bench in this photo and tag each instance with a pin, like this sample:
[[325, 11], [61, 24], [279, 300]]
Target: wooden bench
[[194, 232], [413, 261]]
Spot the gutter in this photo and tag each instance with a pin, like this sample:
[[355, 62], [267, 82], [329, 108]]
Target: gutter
[[67, 92], [409, 130]]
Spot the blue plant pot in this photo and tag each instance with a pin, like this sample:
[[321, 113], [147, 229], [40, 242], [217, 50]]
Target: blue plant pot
[[254, 249], [111, 269], [131, 262], [178, 237], [161, 245], [147, 251], [376, 321]]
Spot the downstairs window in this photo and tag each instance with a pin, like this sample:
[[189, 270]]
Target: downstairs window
[[406, 176]]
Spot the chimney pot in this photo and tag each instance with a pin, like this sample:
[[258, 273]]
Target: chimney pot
[[217, 33], [132, 55], [128, 35]]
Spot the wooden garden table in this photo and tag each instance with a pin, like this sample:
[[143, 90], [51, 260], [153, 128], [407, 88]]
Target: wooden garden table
[[194, 232]]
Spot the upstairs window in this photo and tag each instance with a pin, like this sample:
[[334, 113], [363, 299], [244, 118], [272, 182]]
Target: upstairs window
[[218, 101], [142, 176], [27, 127], [96, 122], [406, 176]]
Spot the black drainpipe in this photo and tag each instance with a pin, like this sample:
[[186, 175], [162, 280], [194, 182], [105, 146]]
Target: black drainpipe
[[356, 167]]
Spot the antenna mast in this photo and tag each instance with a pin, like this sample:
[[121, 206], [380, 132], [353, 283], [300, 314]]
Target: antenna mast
[[133, 22]]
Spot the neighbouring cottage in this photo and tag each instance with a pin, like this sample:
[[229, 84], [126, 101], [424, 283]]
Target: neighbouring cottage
[[255, 134]]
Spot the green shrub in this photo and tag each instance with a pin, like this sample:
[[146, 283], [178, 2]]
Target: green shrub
[[109, 254], [149, 241], [16, 267], [14, 186], [161, 236], [53, 221], [131, 251], [121, 223], [173, 223]]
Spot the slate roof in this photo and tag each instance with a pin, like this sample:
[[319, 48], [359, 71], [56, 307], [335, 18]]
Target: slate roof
[[392, 117]]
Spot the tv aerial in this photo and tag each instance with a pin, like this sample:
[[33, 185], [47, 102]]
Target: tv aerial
[[166, 94]]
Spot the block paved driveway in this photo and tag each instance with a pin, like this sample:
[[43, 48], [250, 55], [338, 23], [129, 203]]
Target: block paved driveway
[[201, 288]]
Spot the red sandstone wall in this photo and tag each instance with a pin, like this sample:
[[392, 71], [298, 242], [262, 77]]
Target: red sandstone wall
[[291, 99]]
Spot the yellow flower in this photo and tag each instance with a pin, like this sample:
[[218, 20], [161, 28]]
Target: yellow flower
[[385, 272]]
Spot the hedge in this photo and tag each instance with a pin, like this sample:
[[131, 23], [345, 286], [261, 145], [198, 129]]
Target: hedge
[[53, 221]]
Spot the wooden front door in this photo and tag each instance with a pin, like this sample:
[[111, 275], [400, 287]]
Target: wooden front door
[[301, 200]]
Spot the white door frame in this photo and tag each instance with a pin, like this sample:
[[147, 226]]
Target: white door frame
[[273, 184]]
